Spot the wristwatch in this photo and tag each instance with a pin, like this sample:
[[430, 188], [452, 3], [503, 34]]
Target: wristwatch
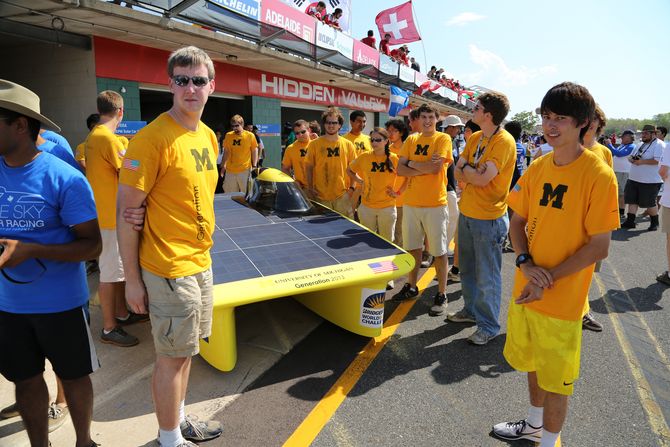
[[522, 259]]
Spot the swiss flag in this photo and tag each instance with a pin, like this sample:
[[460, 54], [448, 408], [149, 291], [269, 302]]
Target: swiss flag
[[399, 23]]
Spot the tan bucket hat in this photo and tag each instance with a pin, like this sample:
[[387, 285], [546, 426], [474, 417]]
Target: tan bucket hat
[[19, 99]]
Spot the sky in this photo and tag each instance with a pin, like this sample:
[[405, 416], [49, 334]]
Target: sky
[[619, 50]]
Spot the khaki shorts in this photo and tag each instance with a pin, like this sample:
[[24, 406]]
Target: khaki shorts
[[397, 232], [236, 182], [665, 219], [111, 267], [549, 346], [379, 220], [342, 205], [431, 222], [180, 311]]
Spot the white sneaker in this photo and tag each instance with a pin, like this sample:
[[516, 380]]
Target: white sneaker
[[512, 431], [480, 338]]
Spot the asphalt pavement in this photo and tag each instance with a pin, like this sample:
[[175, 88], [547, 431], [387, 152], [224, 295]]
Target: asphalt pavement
[[428, 386]]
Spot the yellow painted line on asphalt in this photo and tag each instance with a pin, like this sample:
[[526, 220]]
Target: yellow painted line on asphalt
[[645, 394], [309, 429]]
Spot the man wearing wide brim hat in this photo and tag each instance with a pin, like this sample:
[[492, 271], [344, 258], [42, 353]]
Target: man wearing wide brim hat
[[644, 181], [50, 230]]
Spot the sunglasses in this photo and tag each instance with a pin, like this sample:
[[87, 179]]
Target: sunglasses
[[300, 132], [332, 123], [377, 140], [198, 81]]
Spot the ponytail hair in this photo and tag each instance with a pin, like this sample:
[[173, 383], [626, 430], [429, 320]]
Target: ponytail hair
[[387, 151]]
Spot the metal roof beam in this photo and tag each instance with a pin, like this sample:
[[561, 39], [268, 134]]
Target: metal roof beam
[[272, 37], [179, 8]]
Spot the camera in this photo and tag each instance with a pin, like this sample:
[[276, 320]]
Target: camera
[[635, 157]]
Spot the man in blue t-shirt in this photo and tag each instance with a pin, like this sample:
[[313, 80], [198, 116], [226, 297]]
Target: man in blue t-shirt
[[56, 149], [48, 227], [56, 138]]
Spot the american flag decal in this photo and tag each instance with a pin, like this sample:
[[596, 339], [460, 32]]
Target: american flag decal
[[131, 164], [383, 266]]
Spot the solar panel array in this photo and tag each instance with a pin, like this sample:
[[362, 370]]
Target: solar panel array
[[248, 244]]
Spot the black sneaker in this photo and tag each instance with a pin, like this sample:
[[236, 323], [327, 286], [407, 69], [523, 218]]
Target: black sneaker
[[118, 337], [590, 323], [193, 429], [406, 293], [628, 223], [132, 319], [664, 278], [439, 306]]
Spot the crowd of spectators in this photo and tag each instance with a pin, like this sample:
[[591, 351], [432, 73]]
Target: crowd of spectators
[[400, 55]]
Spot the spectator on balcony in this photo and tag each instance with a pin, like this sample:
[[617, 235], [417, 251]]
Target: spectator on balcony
[[333, 19], [384, 45], [400, 55], [316, 10], [414, 64], [370, 40], [431, 74]]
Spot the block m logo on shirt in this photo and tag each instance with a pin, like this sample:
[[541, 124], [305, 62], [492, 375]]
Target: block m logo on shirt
[[333, 152], [553, 195], [237, 142], [378, 167], [360, 146], [421, 150], [202, 158]]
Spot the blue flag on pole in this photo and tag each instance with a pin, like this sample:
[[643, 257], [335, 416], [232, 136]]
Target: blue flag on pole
[[399, 100]]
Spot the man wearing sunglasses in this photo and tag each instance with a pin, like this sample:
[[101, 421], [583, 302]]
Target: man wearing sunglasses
[[240, 154], [171, 165], [328, 158], [294, 155]]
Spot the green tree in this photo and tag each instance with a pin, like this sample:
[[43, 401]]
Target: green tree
[[528, 121]]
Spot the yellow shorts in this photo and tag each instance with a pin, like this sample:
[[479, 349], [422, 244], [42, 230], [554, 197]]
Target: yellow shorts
[[546, 345]]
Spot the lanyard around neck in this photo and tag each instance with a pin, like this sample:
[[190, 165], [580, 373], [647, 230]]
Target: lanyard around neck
[[480, 150]]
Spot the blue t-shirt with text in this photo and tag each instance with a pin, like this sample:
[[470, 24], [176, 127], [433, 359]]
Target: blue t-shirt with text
[[39, 203]]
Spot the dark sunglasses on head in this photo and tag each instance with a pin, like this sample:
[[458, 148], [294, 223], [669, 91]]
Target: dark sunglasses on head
[[300, 132], [198, 81], [376, 140]]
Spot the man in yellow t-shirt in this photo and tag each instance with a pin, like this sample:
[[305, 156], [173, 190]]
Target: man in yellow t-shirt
[[104, 152], [293, 162], [357, 122], [422, 161], [240, 155], [326, 165], [572, 193], [485, 169], [80, 152], [590, 142], [594, 130], [171, 164]]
